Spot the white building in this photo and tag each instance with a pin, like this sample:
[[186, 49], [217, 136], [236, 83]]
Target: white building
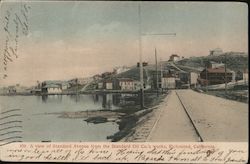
[[245, 75], [193, 78], [168, 82], [108, 85], [213, 64], [52, 88], [127, 84]]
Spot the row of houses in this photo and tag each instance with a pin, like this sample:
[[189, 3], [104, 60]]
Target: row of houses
[[125, 84], [56, 86], [179, 80], [214, 74], [14, 89]]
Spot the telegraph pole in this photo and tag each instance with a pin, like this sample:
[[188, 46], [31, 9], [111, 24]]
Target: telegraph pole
[[156, 69], [161, 76], [225, 74], [206, 78], [140, 55]]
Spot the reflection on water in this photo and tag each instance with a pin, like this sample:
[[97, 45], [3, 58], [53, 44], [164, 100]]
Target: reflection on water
[[38, 125], [107, 101]]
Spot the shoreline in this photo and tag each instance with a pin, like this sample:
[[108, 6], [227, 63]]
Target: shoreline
[[79, 93], [127, 118]]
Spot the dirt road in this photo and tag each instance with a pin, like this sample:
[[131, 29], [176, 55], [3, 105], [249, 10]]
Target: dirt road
[[173, 124], [215, 118]]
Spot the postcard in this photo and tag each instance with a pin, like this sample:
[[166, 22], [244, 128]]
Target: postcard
[[124, 81]]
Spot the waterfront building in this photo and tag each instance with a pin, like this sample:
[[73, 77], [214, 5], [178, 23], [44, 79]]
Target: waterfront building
[[11, 89], [52, 88], [108, 84], [127, 84], [100, 85], [65, 85]]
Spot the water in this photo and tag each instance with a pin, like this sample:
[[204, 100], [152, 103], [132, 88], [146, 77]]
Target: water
[[38, 125]]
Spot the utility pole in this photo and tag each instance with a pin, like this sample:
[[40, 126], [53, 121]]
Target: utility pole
[[140, 55], [206, 78], [225, 74], [156, 69], [161, 76]]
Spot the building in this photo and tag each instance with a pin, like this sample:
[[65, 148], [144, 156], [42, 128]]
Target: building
[[137, 85], [105, 84], [52, 88], [216, 51], [184, 77], [174, 57], [144, 64], [212, 76], [213, 64], [108, 84], [11, 89], [127, 84], [85, 80], [35, 91], [100, 85], [168, 81], [193, 78], [245, 75], [65, 85]]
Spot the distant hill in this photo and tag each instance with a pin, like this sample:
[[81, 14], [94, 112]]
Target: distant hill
[[235, 61]]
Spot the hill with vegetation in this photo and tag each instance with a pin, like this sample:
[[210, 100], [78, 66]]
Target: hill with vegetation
[[133, 73], [235, 61]]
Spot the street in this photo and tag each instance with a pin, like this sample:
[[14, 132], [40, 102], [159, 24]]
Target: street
[[216, 119]]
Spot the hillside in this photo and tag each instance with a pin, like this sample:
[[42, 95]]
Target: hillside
[[133, 73], [235, 61]]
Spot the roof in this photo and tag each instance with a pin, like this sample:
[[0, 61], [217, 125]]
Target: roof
[[125, 79], [217, 70], [168, 76], [51, 86], [175, 55], [52, 81]]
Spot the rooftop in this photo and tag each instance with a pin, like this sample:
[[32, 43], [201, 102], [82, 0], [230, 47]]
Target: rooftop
[[217, 70], [51, 86]]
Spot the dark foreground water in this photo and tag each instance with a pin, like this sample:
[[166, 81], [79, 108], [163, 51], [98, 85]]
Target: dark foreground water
[[37, 125]]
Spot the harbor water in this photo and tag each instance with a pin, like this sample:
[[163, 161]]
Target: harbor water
[[37, 117]]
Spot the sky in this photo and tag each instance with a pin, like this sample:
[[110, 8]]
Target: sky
[[82, 38]]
